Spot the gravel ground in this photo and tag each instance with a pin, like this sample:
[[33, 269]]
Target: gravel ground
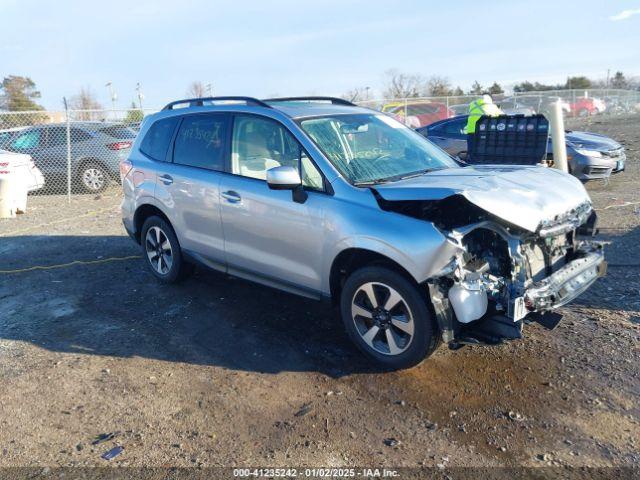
[[221, 372]]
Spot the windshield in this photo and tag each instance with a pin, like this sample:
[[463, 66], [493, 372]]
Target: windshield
[[370, 148]]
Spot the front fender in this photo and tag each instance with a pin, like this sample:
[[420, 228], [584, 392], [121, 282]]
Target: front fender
[[416, 245]]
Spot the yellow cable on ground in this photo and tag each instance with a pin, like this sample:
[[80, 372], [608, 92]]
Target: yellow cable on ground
[[70, 264]]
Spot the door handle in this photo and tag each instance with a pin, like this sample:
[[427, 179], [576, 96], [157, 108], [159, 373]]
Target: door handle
[[166, 179], [231, 196]]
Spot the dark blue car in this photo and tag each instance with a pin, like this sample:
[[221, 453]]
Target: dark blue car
[[590, 155]]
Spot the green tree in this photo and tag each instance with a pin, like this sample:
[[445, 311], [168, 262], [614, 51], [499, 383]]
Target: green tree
[[527, 86], [134, 115], [619, 81], [495, 89], [578, 82], [476, 89], [18, 94]]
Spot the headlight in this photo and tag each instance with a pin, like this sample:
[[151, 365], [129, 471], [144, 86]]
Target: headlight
[[589, 153]]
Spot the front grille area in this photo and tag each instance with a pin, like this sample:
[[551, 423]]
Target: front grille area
[[597, 170]]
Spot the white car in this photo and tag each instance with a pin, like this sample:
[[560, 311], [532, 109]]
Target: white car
[[23, 168]]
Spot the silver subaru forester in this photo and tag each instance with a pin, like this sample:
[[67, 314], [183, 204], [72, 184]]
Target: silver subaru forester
[[321, 198]]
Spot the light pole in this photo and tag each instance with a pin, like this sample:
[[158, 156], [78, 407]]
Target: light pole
[[140, 95], [113, 95]]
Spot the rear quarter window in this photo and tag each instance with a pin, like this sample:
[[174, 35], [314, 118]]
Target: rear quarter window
[[157, 139]]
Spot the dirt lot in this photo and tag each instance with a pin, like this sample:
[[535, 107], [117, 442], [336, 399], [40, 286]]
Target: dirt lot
[[220, 372]]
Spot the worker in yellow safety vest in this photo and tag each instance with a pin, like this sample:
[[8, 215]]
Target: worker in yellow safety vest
[[482, 106]]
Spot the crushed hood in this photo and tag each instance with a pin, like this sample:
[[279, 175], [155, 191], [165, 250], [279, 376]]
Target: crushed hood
[[521, 195]]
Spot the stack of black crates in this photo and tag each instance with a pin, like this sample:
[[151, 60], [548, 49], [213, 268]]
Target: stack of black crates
[[510, 140]]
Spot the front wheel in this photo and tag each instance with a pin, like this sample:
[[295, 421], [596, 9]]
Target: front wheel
[[387, 318]]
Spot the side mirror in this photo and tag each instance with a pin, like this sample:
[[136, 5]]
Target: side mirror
[[283, 178], [287, 178]]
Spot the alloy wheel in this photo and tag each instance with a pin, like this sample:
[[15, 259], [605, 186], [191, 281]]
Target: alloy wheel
[[159, 250], [382, 318], [93, 178]]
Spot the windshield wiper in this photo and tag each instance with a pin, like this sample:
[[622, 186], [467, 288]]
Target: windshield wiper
[[375, 181], [395, 178], [418, 173]]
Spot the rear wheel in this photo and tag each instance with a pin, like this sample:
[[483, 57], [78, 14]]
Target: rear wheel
[[93, 177], [161, 251], [387, 317]]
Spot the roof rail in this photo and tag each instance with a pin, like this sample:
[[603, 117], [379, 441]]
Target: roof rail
[[333, 100], [199, 102]]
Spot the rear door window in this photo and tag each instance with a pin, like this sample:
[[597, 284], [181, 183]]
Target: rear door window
[[156, 142], [201, 141]]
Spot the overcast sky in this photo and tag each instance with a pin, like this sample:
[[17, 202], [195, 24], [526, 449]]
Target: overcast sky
[[289, 47]]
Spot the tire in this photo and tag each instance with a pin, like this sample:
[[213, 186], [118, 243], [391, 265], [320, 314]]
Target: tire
[[414, 335], [164, 257], [93, 177]]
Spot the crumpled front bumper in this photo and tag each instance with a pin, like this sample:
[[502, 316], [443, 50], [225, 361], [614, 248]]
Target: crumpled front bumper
[[567, 283]]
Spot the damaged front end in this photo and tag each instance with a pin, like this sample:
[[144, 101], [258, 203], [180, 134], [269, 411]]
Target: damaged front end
[[504, 275]]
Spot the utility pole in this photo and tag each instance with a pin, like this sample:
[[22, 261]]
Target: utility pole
[[209, 90], [608, 73], [114, 96], [140, 95]]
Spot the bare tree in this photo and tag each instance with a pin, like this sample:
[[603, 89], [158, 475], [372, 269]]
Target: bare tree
[[89, 108], [196, 90], [438, 86], [358, 94], [403, 85]]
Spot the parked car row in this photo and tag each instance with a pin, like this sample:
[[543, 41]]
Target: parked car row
[[590, 155], [97, 148], [421, 112]]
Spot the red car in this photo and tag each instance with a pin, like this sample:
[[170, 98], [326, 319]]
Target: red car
[[584, 107], [421, 114]]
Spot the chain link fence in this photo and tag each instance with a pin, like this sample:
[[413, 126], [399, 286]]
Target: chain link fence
[[421, 111], [75, 151]]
